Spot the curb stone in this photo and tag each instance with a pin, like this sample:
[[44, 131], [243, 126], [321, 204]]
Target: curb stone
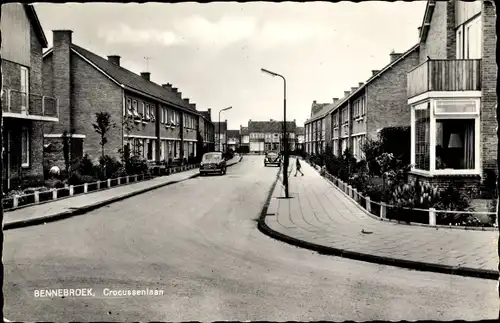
[[331, 251], [89, 208]]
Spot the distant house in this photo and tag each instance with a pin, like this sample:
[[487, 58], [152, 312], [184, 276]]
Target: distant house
[[233, 139], [152, 121], [268, 135], [206, 132], [245, 139], [452, 95], [317, 127], [300, 138], [221, 136], [25, 107]]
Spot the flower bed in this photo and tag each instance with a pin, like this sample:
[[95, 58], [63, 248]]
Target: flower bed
[[30, 196], [399, 213]]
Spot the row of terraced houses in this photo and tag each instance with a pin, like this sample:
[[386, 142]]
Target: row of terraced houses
[[47, 94], [443, 88]]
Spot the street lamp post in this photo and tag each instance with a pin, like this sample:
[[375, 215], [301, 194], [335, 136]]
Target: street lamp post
[[285, 137], [218, 131]]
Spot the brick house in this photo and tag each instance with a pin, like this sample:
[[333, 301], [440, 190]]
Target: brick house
[[24, 107], [378, 103], [268, 135], [300, 138], [221, 136], [452, 94], [206, 131], [245, 139], [316, 127], [233, 139], [152, 121]]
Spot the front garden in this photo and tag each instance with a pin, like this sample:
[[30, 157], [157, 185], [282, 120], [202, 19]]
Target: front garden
[[383, 176]]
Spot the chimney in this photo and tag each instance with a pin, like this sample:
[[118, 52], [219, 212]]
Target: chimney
[[353, 89], [314, 102], [146, 75], [179, 94], [375, 72], [192, 106], [186, 100], [361, 84], [167, 86], [419, 31], [62, 37], [115, 59], [209, 112], [335, 100], [61, 75], [174, 89], [394, 56], [346, 93]]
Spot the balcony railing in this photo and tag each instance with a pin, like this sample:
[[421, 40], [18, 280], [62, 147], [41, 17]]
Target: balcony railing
[[445, 75], [17, 104]]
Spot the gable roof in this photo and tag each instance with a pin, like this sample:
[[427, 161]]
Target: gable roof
[[270, 126], [223, 126], [233, 133], [316, 108], [325, 109], [35, 22], [206, 115], [382, 71], [129, 80]]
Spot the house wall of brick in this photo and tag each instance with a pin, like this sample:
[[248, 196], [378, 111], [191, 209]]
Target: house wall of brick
[[142, 128], [387, 99], [92, 93], [435, 45], [467, 185], [11, 74], [489, 139]]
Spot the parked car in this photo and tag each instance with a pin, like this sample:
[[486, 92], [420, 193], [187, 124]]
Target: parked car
[[272, 158], [213, 162]]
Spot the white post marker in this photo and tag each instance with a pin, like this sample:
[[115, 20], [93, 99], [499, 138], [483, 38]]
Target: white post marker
[[432, 216], [368, 204]]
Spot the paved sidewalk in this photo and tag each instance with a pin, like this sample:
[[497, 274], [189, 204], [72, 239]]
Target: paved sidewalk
[[83, 203], [322, 218]]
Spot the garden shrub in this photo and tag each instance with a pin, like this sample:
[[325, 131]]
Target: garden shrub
[[109, 166], [136, 165]]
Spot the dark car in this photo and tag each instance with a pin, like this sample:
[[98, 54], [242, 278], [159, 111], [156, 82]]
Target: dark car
[[213, 162], [272, 158]]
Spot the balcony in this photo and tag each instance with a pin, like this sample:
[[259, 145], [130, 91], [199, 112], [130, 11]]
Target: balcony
[[445, 75], [17, 104]]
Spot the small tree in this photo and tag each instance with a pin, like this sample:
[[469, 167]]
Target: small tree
[[66, 141], [102, 126]]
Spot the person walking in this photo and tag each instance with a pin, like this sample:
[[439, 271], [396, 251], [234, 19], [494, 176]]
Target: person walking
[[297, 167]]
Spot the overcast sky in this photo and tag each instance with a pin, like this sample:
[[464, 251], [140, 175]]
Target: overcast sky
[[213, 52]]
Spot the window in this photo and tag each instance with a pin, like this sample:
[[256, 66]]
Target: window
[[469, 40], [422, 136], [25, 147], [460, 43], [152, 112], [24, 89], [134, 108], [455, 144], [129, 107]]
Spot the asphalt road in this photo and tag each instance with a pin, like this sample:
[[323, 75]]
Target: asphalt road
[[198, 242]]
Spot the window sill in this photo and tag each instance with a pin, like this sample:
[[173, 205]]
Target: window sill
[[447, 173], [25, 166]]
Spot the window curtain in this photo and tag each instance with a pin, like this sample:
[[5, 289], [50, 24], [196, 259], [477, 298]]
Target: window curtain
[[469, 146]]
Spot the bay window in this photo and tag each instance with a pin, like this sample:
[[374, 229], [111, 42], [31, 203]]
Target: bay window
[[445, 136]]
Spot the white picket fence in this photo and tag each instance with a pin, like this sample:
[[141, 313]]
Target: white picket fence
[[367, 203], [53, 194]]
